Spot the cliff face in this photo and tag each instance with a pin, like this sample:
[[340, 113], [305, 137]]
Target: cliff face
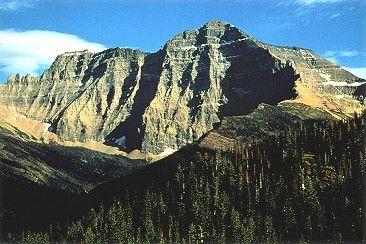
[[206, 74], [157, 101]]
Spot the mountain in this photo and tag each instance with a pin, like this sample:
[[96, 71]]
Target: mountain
[[265, 121], [158, 102], [71, 169], [85, 130]]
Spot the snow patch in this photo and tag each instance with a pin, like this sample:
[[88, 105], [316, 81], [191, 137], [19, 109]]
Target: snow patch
[[231, 42], [185, 48], [343, 83], [167, 151], [234, 56], [46, 127], [211, 44], [121, 142], [325, 76]]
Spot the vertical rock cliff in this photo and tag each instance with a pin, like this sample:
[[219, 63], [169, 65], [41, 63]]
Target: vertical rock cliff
[[160, 101]]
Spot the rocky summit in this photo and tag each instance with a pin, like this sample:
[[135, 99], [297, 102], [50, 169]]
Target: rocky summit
[[159, 102]]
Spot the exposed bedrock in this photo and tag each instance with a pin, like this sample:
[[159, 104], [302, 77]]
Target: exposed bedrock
[[161, 101]]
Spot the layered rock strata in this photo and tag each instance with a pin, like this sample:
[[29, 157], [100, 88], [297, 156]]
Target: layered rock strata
[[157, 102]]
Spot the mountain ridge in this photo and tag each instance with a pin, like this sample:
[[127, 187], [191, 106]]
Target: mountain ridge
[[161, 101], [215, 91]]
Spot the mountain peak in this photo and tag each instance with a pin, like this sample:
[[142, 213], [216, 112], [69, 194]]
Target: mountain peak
[[164, 100], [216, 24], [212, 32]]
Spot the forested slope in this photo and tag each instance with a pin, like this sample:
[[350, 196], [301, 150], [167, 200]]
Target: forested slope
[[302, 185]]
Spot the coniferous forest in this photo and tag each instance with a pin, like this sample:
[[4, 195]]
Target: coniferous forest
[[303, 185]]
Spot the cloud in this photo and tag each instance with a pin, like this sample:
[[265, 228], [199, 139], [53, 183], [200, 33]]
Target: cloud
[[359, 72], [333, 59], [6, 5], [284, 25], [344, 53], [335, 15], [310, 2], [31, 51], [334, 56]]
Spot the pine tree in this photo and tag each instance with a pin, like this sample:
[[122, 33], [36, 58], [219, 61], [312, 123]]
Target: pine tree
[[147, 222], [236, 225], [269, 233], [90, 236]]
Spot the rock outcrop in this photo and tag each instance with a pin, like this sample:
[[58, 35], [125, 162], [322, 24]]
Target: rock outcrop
[[161, 101]]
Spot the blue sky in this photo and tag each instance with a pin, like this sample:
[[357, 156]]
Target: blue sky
[[33, 32]]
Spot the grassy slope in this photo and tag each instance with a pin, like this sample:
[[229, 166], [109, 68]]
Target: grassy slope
[[264, 121]]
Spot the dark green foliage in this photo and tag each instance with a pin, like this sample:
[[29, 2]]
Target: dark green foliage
[[304, 185]]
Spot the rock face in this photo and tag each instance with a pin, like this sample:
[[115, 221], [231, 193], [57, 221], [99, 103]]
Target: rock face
[[164, 100]]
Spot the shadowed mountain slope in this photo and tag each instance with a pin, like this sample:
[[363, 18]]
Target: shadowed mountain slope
[[158, 102]]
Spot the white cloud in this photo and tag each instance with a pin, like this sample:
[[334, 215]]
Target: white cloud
[[344, 53], [359, 72], [335, 15], [31, 51], [16, 4], [334, 56], [332, 59], [310, 2]]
